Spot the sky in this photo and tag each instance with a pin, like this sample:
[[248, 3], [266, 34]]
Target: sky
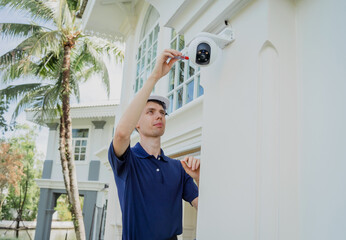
[[91, 92]]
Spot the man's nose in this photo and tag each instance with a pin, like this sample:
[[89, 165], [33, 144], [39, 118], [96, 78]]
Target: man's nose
[[158, 115]]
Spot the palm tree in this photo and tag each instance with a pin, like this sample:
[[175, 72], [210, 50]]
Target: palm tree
[[58, 56]]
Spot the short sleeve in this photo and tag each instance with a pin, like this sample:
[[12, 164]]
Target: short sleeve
[[190, 191], [119, 165]]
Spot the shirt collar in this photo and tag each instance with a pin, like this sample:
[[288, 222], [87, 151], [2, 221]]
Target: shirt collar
[[141, 153]]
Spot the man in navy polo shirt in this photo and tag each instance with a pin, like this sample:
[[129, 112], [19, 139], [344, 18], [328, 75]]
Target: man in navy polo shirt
[[150, 185]]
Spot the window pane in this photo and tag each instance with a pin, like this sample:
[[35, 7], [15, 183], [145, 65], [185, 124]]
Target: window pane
[[156, 32], [171, 78], [148, 71], [149, 56], [179, 98], [138, 68], [141, 82], [137, 85], [174, 44], [150, 39], [76, 150], [191, 71], [142, 64], [200, 90], [189, 91], [80, 133], [170, 109], [76, 157], [154, 50], [144, 47], [82, 157], [78, 143], [82, 150], [173, 33], [84, 143], [181, 42], [139, 54], [181, 72]]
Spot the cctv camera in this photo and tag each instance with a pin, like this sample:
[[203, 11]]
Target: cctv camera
[[205, 47]]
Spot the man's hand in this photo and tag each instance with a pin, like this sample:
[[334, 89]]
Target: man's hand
[[191, 166], [162, 67]]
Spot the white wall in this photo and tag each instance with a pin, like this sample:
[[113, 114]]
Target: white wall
[[322, 83], [248, 187]]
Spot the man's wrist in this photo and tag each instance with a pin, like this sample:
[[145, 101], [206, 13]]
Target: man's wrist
[[154, 78], [197, 181]]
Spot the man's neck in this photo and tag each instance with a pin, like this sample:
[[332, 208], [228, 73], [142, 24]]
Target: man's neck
[[151, 145]]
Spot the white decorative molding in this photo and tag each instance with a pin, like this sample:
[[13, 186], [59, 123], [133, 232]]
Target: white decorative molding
[[107, 109], [102, 154], [194, 16], [54, 184]]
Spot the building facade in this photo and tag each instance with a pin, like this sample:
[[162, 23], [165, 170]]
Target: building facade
[[266, 118], [92, 127]]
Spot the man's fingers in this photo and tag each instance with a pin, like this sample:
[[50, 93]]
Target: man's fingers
[[172, 61], [183, 163], [173, 52], [198, 163], [191, 162]]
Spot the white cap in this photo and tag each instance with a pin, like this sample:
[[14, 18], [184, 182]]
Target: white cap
[[161, 99]]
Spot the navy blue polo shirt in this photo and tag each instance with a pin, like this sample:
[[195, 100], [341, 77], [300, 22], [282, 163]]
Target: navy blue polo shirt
[[150, 192]]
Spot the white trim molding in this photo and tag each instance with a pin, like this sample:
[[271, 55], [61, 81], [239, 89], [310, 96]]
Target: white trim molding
[[108, 109], [54, 184], [191, 17]]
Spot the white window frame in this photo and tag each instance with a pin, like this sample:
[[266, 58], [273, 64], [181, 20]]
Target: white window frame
[[87, 150], [172, 94], [143, 72]]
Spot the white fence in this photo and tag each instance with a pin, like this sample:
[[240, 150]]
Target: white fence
[[59, 230]]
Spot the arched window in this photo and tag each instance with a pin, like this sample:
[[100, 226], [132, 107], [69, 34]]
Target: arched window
[[147, 50], [184, 79]]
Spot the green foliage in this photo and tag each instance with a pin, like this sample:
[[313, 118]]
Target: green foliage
[[62, 207], [24, 201], [3, 110]]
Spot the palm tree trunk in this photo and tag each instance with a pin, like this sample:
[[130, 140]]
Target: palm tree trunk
[[63, 159], [73, 187], [82, 9]]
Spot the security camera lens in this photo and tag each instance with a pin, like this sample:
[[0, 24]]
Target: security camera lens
[[203, 54]]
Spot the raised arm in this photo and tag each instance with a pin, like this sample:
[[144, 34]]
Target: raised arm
[[133, 112]]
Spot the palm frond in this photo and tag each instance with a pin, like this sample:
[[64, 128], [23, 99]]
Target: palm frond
[[49, 66], [11, 56], [14, 30], [73, 5], [99, 48], [32, 99], [38, 10], [64, 18], [39, 45], [75, 87], [15, 71], [49, 102], [13, 92]]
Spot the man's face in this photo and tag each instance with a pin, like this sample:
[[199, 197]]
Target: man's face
[[152, 122]]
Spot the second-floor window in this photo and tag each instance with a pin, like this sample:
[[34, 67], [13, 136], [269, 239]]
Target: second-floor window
[[184, 79], [80, 143], [147, 50]]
